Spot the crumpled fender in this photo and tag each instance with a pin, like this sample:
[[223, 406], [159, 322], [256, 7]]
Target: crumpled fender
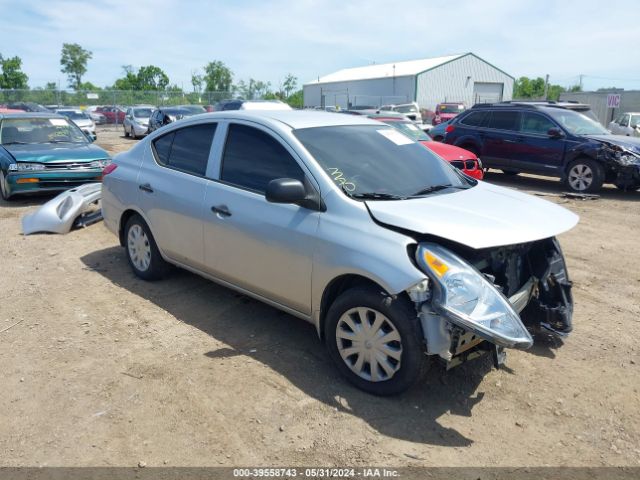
[[58, 215]]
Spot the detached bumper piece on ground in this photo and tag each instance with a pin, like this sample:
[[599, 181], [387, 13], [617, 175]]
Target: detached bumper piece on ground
[[78, 207]]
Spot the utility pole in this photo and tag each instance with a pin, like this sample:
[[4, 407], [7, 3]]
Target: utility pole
[[546, 87], [580, 76]]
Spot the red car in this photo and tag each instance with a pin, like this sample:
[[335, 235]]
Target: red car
[[447, 111], [112, 113], [458, 157]]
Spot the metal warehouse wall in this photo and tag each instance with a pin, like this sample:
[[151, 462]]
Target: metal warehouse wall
[[629, 102], [375, 92], [454, 81]]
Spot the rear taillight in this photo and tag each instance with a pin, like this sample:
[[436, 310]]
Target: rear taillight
[[449, 129], [109, 168]]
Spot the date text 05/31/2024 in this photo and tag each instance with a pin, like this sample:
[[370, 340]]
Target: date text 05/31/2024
[[315, 472]]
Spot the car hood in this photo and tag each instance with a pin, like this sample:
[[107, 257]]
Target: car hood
[[56, 152], [630, 143], [479, 217], [449, 152]]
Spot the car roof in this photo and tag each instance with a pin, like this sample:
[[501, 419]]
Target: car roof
[[294, 118], [4, 116]]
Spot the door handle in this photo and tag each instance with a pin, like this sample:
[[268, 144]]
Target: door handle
[[146, 187], [221, 210]]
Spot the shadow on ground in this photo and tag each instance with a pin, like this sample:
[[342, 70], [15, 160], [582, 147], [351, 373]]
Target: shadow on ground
[[291, 348]]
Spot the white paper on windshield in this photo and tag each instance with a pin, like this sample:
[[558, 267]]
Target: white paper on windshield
[[395, 136], [58, 122], [411, 126]]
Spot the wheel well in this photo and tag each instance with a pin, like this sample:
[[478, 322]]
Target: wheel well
[[470, 147], [338, 286], [123, 221]]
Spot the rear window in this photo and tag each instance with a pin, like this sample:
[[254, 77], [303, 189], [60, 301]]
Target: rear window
[[503, 120], [475, 119], [186, 149]]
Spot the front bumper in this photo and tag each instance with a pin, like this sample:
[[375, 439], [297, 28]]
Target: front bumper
[[39, 181], [140, 129]]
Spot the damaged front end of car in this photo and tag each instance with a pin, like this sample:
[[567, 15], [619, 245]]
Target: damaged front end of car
[[623, 165], [482, 301]]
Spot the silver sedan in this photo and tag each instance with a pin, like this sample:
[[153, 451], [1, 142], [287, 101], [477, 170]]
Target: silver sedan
[[136, 121], [395, 256]]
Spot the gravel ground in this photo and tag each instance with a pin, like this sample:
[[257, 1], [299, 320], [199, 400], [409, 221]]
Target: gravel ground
[[105, 369]]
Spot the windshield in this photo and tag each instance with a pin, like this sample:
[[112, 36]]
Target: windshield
[[370, 159], [406, 108], [194, 108], [635, 120], [410, 130], [445, 108], [40, 130], [576, 123], [142, 112], [73, 115]]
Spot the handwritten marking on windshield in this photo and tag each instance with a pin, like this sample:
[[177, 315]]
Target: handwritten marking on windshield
[[339, 178]]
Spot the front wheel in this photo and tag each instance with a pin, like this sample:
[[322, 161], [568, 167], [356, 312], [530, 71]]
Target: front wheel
[[142, 251], [375, 341], [584, 176], [3, 188]]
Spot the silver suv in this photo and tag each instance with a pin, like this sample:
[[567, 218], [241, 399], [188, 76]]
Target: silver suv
[[392, 254]]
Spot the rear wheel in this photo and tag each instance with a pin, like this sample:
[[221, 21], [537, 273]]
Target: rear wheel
[[133, 132], [142, 251], [375, 342], [584, 176], [126, 134]]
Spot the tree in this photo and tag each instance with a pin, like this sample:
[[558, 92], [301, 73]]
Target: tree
[[296, 100], [12, 75], [74, 63], [51, 86], [289, 85], [88, 86], [197, 80], [152, 78], [217, 77], [129, 81], [525, 87]]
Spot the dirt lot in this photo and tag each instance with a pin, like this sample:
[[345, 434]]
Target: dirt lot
[[105, 369]]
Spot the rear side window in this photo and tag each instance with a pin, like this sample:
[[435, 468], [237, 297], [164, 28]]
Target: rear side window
[[186, 149], [503, 120], [252, 158], [536, 123], [475, 119]]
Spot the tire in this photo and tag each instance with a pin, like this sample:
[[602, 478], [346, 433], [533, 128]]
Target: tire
[[3, 188], [584, 176], [133, 133], [511, 173], [142, 252], [126, 134], [404, 358]]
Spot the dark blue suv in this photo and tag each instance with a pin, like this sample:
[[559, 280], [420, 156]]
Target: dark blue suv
[[549, 139]]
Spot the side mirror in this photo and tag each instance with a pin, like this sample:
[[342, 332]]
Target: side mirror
[[285, 190], [555, 133], [634, 126]]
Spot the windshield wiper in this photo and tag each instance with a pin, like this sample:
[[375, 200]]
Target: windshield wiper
[[435, 188], [377, 196], [16, 143]]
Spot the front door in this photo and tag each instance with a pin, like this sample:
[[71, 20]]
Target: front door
[[535, 150], [263, 247]]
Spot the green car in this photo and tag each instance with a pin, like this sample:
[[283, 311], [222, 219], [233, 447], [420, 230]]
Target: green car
[[45, 152]]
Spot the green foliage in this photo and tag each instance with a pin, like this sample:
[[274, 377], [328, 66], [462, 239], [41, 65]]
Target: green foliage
[[86, 87], [525, 87], [296, 99], [12, 75], [149, 78], [289, 85], [217, 77], [74, 60], [197, 80]]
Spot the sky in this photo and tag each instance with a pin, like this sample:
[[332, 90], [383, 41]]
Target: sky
[[265, 40]]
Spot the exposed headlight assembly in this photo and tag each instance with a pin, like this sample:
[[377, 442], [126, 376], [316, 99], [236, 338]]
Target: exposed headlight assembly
[[100, 163], [25, 167], [628, 158], [468, 299]]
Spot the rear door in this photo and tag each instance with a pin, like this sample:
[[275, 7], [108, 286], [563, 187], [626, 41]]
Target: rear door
[[263, 247], [499, 138], [172, 187], [535, 150]]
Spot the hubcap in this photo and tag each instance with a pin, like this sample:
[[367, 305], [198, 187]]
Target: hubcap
[[580, 177], [369, 344], [139, 248]]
